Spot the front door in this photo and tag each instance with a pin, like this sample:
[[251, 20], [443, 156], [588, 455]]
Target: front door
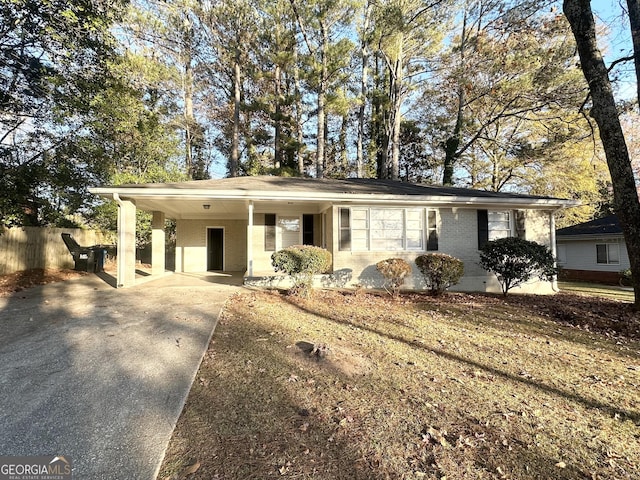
[[215, 249], [307, 230]]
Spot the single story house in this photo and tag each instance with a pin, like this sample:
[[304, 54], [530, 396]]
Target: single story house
[[592, 251], [235, 224]]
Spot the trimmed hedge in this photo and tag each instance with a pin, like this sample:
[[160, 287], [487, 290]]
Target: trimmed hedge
[[440, 271], [394, 270], [302, 262]]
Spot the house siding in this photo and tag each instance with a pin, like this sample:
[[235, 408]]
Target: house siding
[[457, 228], [580, 260], [191, 244]]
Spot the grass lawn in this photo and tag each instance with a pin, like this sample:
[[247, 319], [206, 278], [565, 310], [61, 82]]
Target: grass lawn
[[459, 387], [594, 289]]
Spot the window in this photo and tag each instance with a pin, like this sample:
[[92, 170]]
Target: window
[[494, 224], [608, 253], [269, 232], [344, 225], [499, 224], [386, 229], [289, 230]]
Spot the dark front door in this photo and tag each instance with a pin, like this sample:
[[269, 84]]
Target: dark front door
[[307, 230], [215, 248]]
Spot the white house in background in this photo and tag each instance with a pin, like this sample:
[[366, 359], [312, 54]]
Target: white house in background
[[235, 224], [592, 251]]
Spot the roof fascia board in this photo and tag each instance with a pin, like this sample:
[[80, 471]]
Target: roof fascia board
[[458, 201]]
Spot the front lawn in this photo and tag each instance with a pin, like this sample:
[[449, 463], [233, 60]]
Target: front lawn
[[362, 386]]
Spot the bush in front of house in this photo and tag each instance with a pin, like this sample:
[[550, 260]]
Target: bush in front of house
[[440, 271], [514, 261], [394, 270], [302, 262]]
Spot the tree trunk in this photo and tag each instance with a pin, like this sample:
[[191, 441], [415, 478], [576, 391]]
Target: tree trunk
[[364, 54], [235, 136], [634, 21], [452, 143], [277, 121], [322, 91], [188, 118], [298, 106], [605, 113]]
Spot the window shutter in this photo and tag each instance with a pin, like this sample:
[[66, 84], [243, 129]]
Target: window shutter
[[520, 224], [432, 230], [483, 228]]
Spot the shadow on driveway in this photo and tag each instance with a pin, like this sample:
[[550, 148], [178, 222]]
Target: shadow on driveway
[[101, 375]]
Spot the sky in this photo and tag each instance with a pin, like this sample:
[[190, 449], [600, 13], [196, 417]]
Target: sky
[[617, 42]]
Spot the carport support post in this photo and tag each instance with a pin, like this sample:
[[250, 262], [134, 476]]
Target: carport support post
[[250, 241], [126, 242], [157, 244]]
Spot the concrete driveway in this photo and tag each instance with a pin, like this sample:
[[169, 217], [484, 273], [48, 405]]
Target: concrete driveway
[[100, 375]]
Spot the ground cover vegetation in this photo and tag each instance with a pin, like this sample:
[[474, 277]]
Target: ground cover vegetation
[[361, 385]]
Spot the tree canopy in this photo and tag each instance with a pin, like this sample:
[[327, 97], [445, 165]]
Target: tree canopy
[[481, 94]]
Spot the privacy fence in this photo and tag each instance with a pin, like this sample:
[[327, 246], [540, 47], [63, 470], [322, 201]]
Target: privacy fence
[[24, 248]]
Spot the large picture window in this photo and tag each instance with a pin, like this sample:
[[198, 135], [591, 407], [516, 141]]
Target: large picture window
[[387, 229]]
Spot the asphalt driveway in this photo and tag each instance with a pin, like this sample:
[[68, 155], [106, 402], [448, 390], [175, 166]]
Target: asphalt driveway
[[100, 375]]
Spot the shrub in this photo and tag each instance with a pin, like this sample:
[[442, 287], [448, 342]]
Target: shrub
[[626, 278], [514, 261], [394, 270], [302, 262], [440, 271]]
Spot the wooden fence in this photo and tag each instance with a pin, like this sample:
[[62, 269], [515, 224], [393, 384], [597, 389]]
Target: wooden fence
[[24, 248]]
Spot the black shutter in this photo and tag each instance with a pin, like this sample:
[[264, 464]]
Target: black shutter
[[483, 228], [520, 224]]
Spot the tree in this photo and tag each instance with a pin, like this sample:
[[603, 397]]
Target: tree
[[320, 23], [406, 33], [515, 261], [509, 68], [605, 113], [53, 63]]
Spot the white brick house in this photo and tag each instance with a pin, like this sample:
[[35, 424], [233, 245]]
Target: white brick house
[[235, 224]]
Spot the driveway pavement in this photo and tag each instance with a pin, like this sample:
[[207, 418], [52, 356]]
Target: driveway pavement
[[100, 375]]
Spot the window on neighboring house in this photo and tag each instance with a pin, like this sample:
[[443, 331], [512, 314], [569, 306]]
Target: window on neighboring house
[[269, 232], [387, 229], [494, 224], [608, 253]]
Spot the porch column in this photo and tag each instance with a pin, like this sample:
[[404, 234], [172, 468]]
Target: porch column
[[157, 244], [250, 241], [126, 242]]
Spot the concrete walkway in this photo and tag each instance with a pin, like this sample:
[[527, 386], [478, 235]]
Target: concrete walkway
[[100, 375]]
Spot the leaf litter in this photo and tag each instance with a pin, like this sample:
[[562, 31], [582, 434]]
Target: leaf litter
[[463, 386]]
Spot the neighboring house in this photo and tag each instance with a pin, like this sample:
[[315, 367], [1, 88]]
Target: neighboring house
[[592, 251], [235, 224]]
